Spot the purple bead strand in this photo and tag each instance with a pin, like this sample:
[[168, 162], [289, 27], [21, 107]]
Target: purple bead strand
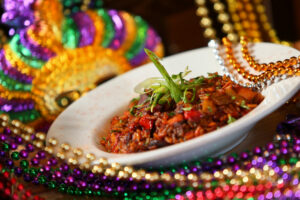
[[86, 28], [12, 72], [151, 42], [119, 29], [16, 105], [35, 49]]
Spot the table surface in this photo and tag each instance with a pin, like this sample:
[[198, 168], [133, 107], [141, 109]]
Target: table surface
[[262, 133]]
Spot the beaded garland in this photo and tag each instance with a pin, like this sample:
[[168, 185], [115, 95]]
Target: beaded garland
[[238, 18], [44, 59], [268, 172], [206, 22], [10, 188], [271, 72]]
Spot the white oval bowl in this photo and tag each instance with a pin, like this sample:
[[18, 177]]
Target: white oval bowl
[[84, 122]]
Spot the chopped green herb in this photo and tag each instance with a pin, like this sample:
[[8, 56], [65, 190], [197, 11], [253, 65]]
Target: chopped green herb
[[230, 119], [155, 101], [135, 99], [187, 108], [178, 78], [233, 97], [175, 91], [164, 99], [212, 75], [174, 86], [185, 99], [243, 105], [131, 110], [115, 131], [104, 138], [199, 80], [207, 94], [138, 106]]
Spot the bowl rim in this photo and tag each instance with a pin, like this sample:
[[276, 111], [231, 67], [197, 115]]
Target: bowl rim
[[172, 150]]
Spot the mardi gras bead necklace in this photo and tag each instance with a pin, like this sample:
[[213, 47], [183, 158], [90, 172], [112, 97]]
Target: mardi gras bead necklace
[[272, 72], [11, 188], [235, 17], [206, 22], [264, 167], [220, 176], [287, 66], [248, 17], [114, 168], [224, 19]]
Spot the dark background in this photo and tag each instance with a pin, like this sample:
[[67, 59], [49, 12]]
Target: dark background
[[178, 25]]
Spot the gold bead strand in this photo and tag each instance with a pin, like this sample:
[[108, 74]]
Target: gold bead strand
[[265, 78], [254, 29], [125, 172], [238, 67], [232, 8], [287, 63], [248, 20], [261, 10], [224, 18], [205, 21]]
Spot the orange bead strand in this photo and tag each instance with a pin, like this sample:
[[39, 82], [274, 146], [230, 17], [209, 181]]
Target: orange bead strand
[[270, 71]]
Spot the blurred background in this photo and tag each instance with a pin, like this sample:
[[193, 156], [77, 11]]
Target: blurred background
[[178, 25]]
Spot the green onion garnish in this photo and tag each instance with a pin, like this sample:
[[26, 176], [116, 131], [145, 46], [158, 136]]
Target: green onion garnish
[[175, 90], [230, 119]]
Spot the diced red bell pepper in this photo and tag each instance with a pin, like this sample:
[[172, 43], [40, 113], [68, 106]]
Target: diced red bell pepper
[[193, 115], [146, 123], [175, 119]]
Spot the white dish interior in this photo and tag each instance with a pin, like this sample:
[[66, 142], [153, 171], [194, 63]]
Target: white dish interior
[[84, 122]]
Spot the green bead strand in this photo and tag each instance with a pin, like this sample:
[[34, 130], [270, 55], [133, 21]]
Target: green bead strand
[[52, 185], [109, 28], [5, 146], [13, 85], [42, 179], [15, 155], [24, 164], [71, 35], [24, 54], [138, 44], [24, 116]]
